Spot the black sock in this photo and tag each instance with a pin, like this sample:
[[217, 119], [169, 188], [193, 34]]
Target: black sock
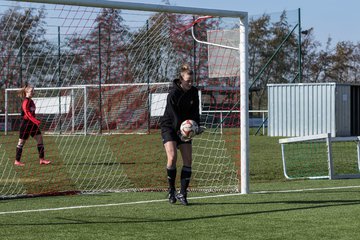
[[19, 149], [185, 179], [41, 150], [171, 175]]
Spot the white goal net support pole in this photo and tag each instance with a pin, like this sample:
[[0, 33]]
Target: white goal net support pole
[[102, 69], [321, 157]]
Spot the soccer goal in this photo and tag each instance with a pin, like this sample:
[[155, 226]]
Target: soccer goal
[[102, 71], [78, 109], [321, 157]]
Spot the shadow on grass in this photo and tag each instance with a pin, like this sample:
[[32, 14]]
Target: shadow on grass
[[139, 220], [338, 202]]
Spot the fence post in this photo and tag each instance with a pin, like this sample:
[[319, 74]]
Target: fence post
[[6, 112], [330, 160]]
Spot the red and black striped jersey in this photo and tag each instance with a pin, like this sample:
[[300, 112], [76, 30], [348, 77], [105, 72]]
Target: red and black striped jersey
[[28, 111]]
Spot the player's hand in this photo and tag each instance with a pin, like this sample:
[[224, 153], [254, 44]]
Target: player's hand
[[199, 130], [183, 138]]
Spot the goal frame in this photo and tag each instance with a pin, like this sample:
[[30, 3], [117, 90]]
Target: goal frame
[[243, 51], [7, 114], [330, 161], [85, 88]]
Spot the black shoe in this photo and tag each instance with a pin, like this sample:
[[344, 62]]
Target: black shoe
[[182, 198], [172, 198]]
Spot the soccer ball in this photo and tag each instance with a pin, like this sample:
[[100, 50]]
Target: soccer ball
[[188, 128]]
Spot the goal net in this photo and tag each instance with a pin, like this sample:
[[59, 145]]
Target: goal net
[[321, 157], [101, 78]]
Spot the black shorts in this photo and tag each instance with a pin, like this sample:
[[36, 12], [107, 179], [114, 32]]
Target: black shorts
[[28, 128], [169, 134]]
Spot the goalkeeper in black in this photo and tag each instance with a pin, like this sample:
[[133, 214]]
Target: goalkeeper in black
[[182, 104]]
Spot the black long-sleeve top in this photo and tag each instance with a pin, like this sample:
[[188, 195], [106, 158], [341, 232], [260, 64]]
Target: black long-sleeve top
[[180, 106]]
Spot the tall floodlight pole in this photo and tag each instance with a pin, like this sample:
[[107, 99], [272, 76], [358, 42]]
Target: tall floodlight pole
[[299, 48]]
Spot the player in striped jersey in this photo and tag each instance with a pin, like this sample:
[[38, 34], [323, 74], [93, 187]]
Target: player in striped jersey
[[29, 126]]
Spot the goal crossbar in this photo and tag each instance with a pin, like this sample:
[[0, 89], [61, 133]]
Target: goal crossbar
[[143, 7]]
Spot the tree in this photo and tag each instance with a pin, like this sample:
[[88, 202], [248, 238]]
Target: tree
[[341, 68], [264, 41], [338, 64], [22, 42], [311, 69], [111, 35]]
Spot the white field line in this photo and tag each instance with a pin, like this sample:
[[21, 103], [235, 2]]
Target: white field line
[[163, 200]]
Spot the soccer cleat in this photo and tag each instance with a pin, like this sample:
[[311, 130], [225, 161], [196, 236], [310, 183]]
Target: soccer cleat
[[182, 198], [18, 163], [172, 198], [45, 162]]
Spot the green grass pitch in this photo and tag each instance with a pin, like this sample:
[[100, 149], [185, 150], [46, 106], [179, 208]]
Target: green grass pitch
[[275, 209]]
